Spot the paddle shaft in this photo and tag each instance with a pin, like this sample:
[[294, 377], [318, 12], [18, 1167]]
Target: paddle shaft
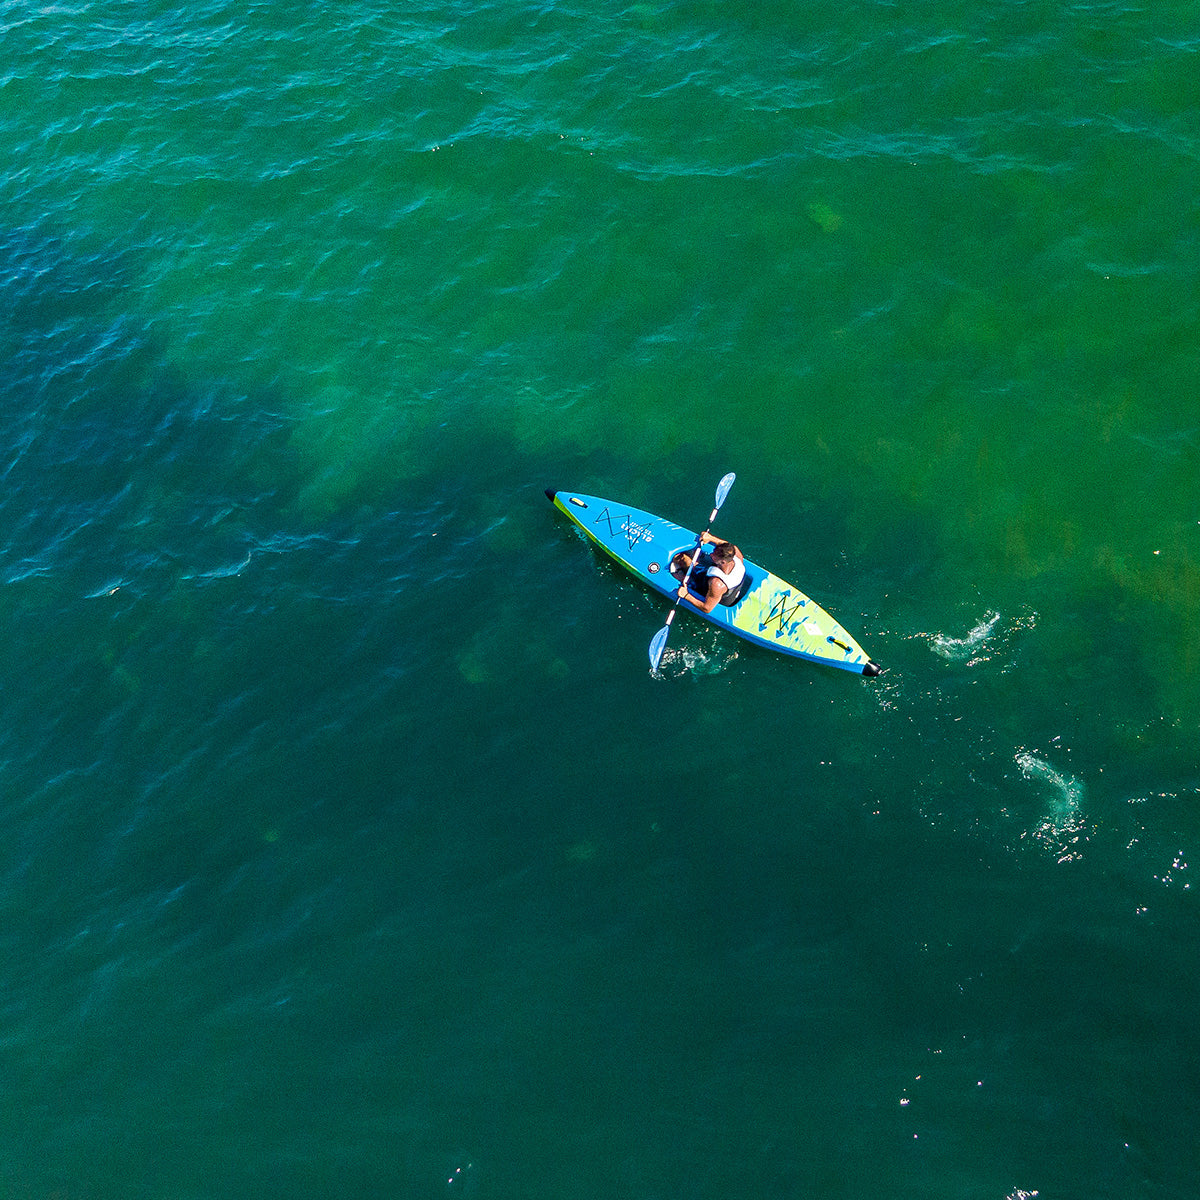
[[658, 644], [712, 516]]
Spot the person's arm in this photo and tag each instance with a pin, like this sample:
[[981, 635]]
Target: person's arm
[[708, 539], [716, 589]]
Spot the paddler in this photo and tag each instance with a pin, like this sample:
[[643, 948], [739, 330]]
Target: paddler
[[719, 576]]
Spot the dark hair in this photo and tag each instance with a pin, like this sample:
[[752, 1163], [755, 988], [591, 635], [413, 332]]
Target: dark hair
[[723, 553]]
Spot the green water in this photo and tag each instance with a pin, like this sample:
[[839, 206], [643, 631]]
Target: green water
[[347, 846]]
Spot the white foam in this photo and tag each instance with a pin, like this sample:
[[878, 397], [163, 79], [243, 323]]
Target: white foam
[[1067, 791], [957, 649], [694, 661], [1061, 826]]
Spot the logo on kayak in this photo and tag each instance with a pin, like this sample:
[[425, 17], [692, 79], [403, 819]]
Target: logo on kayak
[[634, 531], [782, 613]]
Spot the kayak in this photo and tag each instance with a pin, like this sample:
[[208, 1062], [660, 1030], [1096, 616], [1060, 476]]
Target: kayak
[[771, 612]]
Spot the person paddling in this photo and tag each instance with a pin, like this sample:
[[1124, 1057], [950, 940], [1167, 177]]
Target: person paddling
[[719, 578]]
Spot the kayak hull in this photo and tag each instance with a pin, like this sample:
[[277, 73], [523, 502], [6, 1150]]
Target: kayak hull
[[772, 613]]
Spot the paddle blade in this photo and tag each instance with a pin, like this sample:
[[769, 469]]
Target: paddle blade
[[723, 488], [657, 645]]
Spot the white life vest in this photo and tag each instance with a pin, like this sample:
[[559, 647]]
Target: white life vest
[[733, 577]]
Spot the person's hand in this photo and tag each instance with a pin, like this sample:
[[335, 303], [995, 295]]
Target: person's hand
[[682, 593]]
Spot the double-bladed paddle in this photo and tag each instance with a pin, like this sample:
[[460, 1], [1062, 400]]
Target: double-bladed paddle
[[659, 642]]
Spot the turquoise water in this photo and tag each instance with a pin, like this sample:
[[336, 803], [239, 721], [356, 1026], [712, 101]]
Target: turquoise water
[[347, 846]]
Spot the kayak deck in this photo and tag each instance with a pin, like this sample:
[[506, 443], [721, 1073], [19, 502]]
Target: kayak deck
[[771, 613]]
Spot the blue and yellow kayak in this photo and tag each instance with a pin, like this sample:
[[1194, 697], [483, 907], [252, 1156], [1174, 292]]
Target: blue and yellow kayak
[[771, 613]]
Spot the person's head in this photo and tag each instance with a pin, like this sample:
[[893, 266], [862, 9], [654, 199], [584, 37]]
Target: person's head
[[680, 562], [723, 555]]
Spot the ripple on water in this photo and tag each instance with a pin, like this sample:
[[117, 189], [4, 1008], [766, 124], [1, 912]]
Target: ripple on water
[[958, 648], [1061, 825], [989, 636]]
